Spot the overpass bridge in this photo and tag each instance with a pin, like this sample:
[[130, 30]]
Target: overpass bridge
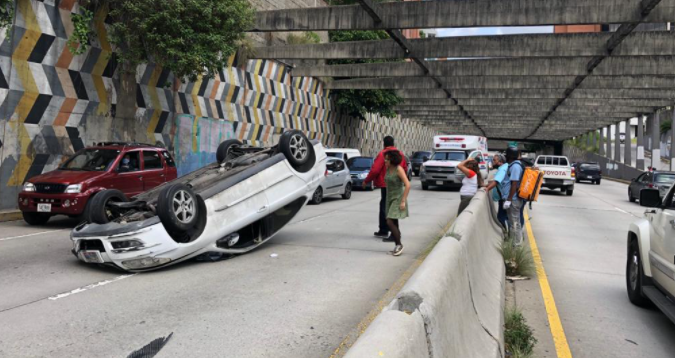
[[319, 287]]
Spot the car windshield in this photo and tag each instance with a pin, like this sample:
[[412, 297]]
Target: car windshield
[[589, 167], [457, 156], [420, 155], [665, 178], [334, 154], [91, 160], [360, 163]]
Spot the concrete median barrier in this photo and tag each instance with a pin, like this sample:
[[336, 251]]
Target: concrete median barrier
[[457, 293]]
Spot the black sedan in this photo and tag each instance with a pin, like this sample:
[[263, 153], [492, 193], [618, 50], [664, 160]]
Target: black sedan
[[588, 171], [660, 180]]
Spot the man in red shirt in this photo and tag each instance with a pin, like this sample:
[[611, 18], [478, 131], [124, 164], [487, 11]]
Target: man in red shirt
[[376, 175]]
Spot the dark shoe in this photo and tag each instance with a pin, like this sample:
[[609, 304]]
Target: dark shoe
[[388, 239], [381, 234]]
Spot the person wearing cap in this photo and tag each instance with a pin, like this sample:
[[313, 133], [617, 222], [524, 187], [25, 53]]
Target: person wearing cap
[[509, 188], [493, 187]]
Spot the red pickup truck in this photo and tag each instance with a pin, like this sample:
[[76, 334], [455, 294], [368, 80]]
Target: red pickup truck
[[129, 168]]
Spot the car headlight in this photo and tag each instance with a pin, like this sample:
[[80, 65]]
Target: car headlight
[[423, 169], [145, 262], [363, 175], [74, 189], [28, 186]]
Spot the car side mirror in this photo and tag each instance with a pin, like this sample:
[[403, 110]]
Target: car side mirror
[[650, 198]]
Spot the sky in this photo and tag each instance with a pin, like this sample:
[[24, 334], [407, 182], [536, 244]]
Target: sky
[[484, 31]]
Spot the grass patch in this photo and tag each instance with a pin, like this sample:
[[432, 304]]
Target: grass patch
[[518, 259], [518, 335]]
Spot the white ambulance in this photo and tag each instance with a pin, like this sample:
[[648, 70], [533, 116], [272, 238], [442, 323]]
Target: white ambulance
[[450, 150]]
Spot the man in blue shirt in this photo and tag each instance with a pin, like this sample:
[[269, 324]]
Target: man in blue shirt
[[509, 189], [494, 187]]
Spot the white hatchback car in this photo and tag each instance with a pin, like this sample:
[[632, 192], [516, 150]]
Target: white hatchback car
[[229, 207], [338, 181]]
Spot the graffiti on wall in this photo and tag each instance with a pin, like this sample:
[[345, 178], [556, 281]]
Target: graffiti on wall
[[196, 141]]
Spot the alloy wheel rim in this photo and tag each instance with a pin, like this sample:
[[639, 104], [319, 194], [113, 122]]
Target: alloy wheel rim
[[298, 146], [317, 195], [183, 206], [633, 272]]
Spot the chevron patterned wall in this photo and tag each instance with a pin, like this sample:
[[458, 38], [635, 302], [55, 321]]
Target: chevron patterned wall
[[53, 103]]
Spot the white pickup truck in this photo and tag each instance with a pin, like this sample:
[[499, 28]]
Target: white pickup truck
[[558, 173], [650, 269]]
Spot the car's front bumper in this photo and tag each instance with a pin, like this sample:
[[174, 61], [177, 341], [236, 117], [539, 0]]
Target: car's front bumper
[[65, 204], [437, 179]]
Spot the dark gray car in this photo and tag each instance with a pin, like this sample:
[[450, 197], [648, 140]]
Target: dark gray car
[[417, 160], [650, 180]]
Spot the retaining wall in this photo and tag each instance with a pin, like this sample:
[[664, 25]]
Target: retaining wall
[[453, 306], [53, 103], [610, 167]]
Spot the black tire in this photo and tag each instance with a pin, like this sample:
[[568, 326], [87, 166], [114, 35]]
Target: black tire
[[630, 196], [35, 218], [416, 173], [178, 208], [97, 211], [425, 186], [222, 154], [569, 192], [635, 276], [598, 181], [317, 197], [348, 192], [577, 180], [298, 150]]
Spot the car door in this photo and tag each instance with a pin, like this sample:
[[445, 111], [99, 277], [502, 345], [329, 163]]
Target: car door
[[128, 176], [635, 186], [342, 175], [662, 245], [153, 173], [331, 185]]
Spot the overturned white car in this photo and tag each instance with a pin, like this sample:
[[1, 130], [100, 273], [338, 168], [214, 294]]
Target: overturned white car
[[229, 207]]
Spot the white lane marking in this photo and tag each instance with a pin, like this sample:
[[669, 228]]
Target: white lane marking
[[89, 287], [623, 211], [33, 234]]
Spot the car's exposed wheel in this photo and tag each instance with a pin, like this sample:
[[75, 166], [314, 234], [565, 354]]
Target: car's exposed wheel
[[416, 173], [635, 276], [425, 186], [317, 197], [35, 218], [224, 152], [98, 210], [577, 180], [631, 198], [569, 192], [598, 181], [297, 149], [177, 208], [348, 191]]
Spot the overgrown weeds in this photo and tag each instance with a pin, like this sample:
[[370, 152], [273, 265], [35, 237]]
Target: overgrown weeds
[[518, 259], [518, 336]]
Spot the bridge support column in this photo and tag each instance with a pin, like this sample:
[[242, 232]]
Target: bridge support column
[[640, 155], [608, 150], [628, 145], [672, 142], [617, 143], [656, 142], [601, 144]]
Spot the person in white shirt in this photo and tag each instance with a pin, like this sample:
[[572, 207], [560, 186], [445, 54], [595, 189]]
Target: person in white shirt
[[470, 184]]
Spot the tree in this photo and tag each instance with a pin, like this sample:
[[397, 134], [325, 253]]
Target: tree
[[6, 14], [189, 37]]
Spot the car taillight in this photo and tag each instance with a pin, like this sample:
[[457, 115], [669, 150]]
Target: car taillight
[[650, 186], [574, 173], [326, 173]]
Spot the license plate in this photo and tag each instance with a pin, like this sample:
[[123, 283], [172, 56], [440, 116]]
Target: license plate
[[439, 183], [91, 256], [44, 208]]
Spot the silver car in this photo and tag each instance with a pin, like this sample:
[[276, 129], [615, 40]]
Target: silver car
[[337, 181]]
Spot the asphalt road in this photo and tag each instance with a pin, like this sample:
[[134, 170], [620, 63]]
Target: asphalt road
[[329, 273], [582, 241]]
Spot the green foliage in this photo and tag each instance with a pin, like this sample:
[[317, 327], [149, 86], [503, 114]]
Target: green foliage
[[518, 259], [6, 14], [664, 126], [518, 336], [78, 43], [305, 38], [357, 103], [188, 37], [423, 35]]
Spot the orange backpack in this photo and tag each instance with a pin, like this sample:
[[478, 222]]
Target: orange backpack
[[530, 184]]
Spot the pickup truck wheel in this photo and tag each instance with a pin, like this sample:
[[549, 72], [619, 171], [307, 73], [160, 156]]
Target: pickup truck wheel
[[348, 192], [317, 197], [570, 192], [224, 150], [635, 276], [631, 198], [98, 211], [425, 186], [35, 218], [298, 150], [598, 181], [177, 208]]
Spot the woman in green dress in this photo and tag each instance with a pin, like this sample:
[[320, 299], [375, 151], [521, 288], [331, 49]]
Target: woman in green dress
[[398, 188]]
